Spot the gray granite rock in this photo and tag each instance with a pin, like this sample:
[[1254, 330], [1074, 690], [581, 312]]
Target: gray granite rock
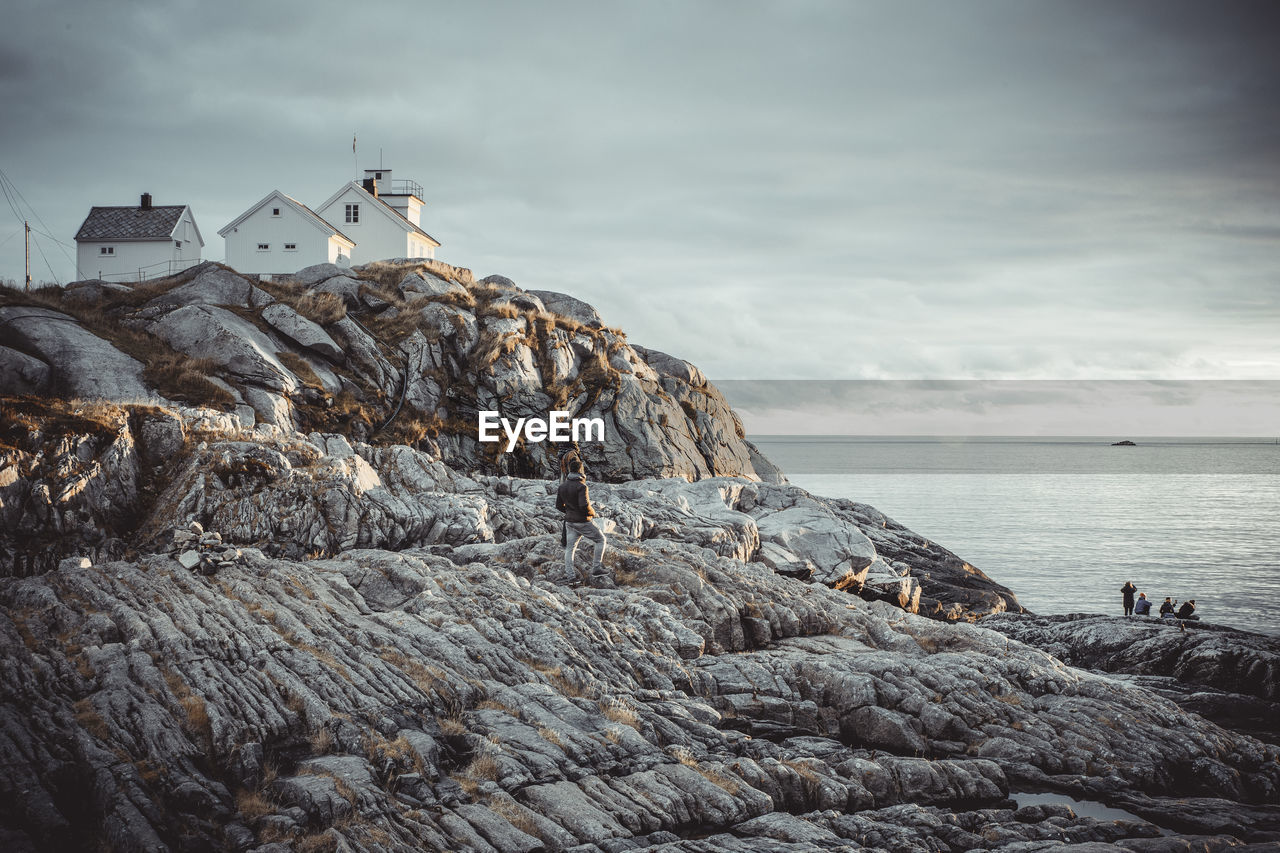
[[81, 364]]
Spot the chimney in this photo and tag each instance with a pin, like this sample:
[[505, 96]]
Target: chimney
[[146, 201], [371, 186]]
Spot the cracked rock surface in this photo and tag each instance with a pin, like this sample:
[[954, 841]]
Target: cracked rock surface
[[422, 684]]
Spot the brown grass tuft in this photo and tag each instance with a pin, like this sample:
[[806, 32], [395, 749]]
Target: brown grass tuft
[[320, 307]]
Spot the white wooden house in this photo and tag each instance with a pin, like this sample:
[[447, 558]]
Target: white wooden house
[[137, 243], [282, 235], [382, 215]]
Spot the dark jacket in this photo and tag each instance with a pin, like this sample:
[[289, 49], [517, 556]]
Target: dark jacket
[[1128, 591], [1166, 607], [1186, 610], [573, 500]]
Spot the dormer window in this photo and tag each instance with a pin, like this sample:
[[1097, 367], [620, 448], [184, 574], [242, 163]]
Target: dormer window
[[275, 211], [353, 214]]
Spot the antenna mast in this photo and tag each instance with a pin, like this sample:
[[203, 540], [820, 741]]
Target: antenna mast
[[26, 244]]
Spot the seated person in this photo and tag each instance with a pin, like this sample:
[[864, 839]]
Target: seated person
[[1188, 610], [1166, 609], [1142, 606]]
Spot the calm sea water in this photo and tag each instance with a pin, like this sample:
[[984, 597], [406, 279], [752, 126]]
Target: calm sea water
[[1064, 522]]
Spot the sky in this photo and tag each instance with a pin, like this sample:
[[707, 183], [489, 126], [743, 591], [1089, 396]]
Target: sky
[[791, 190]]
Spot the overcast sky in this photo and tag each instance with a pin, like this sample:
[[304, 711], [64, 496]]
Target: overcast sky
[[776, 190]]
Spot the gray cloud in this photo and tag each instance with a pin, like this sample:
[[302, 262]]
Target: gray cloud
[[819, 189]]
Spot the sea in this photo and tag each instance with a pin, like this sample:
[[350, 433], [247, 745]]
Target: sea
[[1064, 522]]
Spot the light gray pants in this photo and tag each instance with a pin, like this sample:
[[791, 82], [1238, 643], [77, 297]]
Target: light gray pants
[[586, 530]]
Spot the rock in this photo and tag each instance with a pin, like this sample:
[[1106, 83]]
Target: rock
[[189, 559], [231, 342], [428, 286], [21, 373], [1125, 443], [93, 291], [303, 331], [568, 306], [317, 273], [344, 286], [676, 368], [211, 284], [74, 563], [80, 364]]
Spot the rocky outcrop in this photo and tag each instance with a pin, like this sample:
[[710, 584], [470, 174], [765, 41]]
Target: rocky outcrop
[[76, 362], [1227, 675], [393, 352], [452, 698]]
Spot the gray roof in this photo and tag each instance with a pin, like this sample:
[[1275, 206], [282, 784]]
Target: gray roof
[[130, 223]]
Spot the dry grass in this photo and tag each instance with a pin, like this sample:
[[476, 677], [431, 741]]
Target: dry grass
[[253, 804], [90, 720], [316, 842], [483, 768], [321, 742], [620, 713], [183, 378], [320, 307], [513, 813], [730, 785], [550, 736], [301, 369], [495, 705]]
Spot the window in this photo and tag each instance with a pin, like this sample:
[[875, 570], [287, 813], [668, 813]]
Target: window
[[291, 247], [177, 244], [263, 247], [353, 214], [107, 250], [275, 211]]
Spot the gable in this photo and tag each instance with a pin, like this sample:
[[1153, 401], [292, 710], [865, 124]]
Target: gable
[[294, 208], [353, 193]]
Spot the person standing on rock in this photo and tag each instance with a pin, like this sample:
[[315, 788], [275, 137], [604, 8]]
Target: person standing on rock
[[575, 502], [1128, 591]]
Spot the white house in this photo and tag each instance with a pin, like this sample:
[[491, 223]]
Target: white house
[[282, 235], [136, 243], [382, 216]]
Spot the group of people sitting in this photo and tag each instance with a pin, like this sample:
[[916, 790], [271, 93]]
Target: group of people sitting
[[1169, 608]]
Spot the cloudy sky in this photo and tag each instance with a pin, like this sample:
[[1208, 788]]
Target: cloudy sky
[[773, 190]]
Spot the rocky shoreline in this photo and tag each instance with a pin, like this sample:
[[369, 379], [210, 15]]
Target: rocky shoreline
[[220, 633]]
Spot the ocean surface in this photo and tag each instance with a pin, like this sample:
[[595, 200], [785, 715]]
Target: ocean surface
[[1064, 522]]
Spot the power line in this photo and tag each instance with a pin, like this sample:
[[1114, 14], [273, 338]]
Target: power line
[[4, 179], [47, 264]]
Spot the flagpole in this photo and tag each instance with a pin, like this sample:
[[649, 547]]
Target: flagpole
[[355, 164]]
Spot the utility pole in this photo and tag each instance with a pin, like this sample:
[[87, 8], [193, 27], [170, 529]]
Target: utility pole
[[26, 241]]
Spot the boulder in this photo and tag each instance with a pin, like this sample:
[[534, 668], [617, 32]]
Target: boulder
[[230, 341], [211, 285], [317, 273], [304, 332], [21, 373], [423, 285], [80, 364], [344, 286], [568, 306], [667, 365]]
